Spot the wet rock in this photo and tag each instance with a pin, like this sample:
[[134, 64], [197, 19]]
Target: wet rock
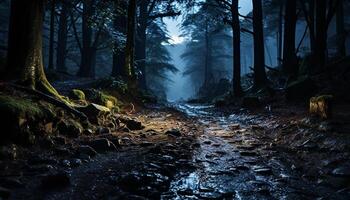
[[248, 153], [130, 182], [94, 111], [70, 128], [87, 150], [39, 160], [103, 130], [102, 145], [132, 124], [5, 193], [54, 181], [65, 163], [146, 144], [173, 132], [342, 171], [263, 171], [76, 162]]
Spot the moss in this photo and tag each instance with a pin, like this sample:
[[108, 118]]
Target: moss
[[77, 95], [14, 105], [107, 100]]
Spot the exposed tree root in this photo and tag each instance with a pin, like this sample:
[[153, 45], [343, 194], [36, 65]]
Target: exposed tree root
[[57, 102]]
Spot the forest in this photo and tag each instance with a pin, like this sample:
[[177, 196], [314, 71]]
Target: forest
[[174, 99]]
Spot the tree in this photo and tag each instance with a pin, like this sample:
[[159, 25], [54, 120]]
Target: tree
[[341, 33], [290, 64], [52, 33], [129, 68], [62, 38], [25, 61], [260, 78], [232, 8], [120, 31]]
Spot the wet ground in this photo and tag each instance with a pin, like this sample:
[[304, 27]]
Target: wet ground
[[211, 154]]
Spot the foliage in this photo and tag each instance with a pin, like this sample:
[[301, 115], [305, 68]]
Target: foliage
[[158, 59]]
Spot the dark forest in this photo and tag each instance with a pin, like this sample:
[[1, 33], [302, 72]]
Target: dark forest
[[174, 99]]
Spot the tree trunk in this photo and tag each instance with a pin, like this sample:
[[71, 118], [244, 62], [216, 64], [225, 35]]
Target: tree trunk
[[260, 79], [280, 34], [290, 65], [62, 39], [86, 54], [25, 60], [341, 34], [321, 34], [130, 42], [142, 44], [236, 28], [52, 34], [312, 25], [206, 59], [120, 24]]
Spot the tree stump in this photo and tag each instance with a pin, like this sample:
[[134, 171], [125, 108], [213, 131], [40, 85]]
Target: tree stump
[[321, 106]]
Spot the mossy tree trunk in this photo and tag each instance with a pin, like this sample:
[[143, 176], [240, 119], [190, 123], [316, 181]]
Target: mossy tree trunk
[[25, 60], [52, 33]]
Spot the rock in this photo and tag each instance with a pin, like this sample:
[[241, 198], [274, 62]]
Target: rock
[[301, 89], [263, 171], [87, 150], [132, 124], [103, 130], [5, 193], [102, 145], [8, 152], [251, 102], [58, 180], [342, 171], [70, 128], [76, 94], [94, 111], [174, 132], [321, 106], [76, 162]]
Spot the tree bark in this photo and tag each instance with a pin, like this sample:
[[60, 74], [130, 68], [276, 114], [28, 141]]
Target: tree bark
[[290, 65], [130, 42], [62, 39], [25, 60], [260, 79], [341, 34], [321, 34], [280, 35], [52, 34], [236, 29], [141, 51], [86, 64]]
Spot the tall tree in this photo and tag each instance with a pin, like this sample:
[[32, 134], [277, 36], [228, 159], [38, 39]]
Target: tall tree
[[25, 60], [52, 33], [129, 68], [120, 28], [260, 78], [290, 65], [86, 64], [321, 34], [62, 38], [341, 34]]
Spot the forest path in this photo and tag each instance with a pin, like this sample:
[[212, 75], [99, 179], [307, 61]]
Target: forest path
[[237, 160]]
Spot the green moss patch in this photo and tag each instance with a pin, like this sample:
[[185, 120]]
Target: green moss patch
[[19, 106]]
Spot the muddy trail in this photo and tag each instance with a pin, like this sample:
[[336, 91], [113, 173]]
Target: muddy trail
[[195, 152]]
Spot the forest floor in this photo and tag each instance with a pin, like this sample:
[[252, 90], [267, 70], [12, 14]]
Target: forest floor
[[191, 151]]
